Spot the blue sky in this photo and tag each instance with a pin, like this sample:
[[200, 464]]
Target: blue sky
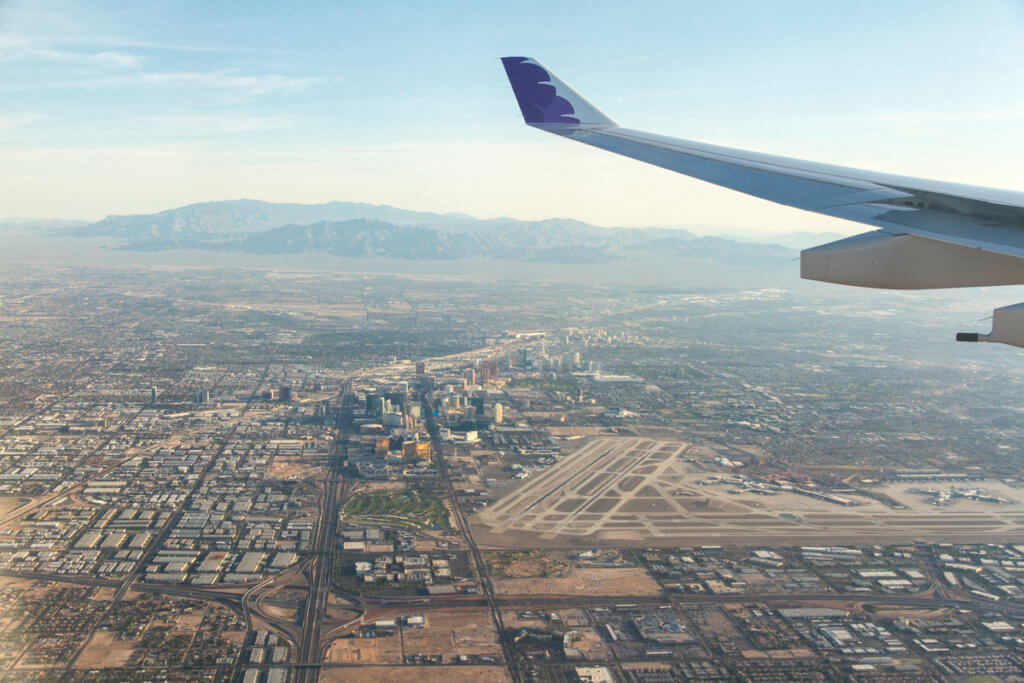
[[124, 107]]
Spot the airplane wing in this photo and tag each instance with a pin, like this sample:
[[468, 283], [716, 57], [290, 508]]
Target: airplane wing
[[929, 234]]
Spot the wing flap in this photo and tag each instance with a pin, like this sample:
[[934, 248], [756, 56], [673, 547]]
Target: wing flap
[[963, 230]]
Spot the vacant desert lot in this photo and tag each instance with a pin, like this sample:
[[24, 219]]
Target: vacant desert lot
[[448, 633], [583, 581], [463, 632], [105, 652], [11, 503], [364, 651]]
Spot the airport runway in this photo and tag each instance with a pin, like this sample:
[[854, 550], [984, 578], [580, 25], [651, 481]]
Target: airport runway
[[644, 492]]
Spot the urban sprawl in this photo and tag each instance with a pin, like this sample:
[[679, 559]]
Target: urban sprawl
[[286, 476]]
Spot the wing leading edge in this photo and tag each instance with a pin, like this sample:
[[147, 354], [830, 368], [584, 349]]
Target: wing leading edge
[[930, 234]]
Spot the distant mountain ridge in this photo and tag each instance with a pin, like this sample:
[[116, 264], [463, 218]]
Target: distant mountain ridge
[[363, 238], [356, 230], [234, 216], [249, 215]]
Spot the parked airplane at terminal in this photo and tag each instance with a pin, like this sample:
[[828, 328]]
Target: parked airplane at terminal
[[930, 234]]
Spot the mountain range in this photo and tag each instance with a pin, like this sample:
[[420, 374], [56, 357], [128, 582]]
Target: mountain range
[[358, 230]]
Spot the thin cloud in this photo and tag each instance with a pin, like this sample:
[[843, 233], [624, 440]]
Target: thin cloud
[[229, 80], [963, 116], [19, 49], [117, 59], [11, 121], [219, 124], [148, 45]]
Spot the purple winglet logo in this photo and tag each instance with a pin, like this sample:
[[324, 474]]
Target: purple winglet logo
[[538, 99]]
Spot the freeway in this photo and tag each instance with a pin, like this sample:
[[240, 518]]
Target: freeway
[[320, 568], [421, 603], [778, 599]]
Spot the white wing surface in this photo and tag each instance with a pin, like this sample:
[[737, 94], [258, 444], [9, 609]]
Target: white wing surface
[[930, 234]]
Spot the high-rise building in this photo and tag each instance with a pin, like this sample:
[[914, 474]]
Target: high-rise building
[[152, 394], [286, 393], [202, 396], [470, 375], [488, 371], [499, 413], [421, 368], [416, 450], [323, 408]]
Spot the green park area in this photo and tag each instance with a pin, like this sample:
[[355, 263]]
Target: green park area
[[408, 508]]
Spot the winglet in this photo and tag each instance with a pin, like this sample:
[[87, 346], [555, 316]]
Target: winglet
[[547, 101]]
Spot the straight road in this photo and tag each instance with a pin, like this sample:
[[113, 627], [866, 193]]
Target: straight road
[[481, 567], [318, 574]]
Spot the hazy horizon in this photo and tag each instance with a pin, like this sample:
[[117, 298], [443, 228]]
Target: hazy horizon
[[735, 232], [123, 111]]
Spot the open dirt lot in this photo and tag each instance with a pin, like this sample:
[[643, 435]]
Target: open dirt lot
[[362, 651], [643, 492], [104, 651], [583, 581], [512, 620], [591, 645], [12, 582], [11, 503], [285, 613], [455, 632], [282, 468], [514, 564], [463, 632]]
